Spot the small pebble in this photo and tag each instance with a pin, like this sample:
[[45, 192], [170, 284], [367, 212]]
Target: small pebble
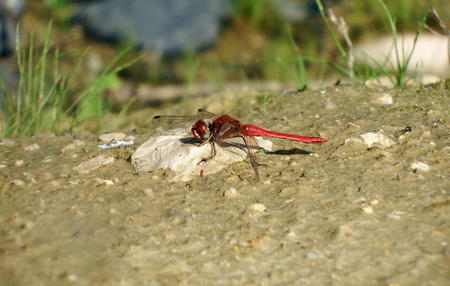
[[330, 105], [374, 202], [93, 163], [148, 192], [104, 182], [368, 209], [79, 143], [18, 182], [107, 137], [230, 193], [257, 207], [420, 166], [72, 277], [72, 146], [393, 216], [291, 234], [2, 166], [32, 147], [383, 99], [47, 159], [311, 255], [68, 148], [19, 162]]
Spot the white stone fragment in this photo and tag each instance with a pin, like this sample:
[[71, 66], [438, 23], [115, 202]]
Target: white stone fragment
[[257, 207], [177, 151], [18, 182], [420, 166], [376, 139], [93, 163], [382, 98], [393, 216], [79, 143], [330, 105], [148, 192], [69, 147], [19, 162], [311, 255], [32, 147], [291, 234], [368, 209], [72, 277], [72, 146], [104, 182], [107, 137], [230, 193]]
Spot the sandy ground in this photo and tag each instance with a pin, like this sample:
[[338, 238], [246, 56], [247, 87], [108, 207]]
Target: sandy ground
[[339, 214]]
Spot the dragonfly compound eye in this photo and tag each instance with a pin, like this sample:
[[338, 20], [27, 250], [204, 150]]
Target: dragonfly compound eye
[[200, 130]]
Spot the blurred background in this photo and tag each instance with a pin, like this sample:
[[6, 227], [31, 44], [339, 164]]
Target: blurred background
[[79, 60]]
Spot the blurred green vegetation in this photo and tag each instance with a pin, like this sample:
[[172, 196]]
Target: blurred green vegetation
[[256, 44]]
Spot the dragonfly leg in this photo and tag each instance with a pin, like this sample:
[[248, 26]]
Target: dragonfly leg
[[253, 161], [212, 154]]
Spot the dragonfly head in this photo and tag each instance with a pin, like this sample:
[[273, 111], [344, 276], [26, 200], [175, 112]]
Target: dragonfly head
[[201, 130]]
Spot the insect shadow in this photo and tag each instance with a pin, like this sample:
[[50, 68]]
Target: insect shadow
[[293, 151]]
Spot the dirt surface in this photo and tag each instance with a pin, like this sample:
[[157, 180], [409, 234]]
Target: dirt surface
[[338, 213]]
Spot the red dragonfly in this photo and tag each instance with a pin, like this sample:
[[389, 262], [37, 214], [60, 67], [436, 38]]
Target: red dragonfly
[[214, 128]]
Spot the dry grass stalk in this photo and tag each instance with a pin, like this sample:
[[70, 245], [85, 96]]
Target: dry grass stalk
[[443, 28], [342, 28]]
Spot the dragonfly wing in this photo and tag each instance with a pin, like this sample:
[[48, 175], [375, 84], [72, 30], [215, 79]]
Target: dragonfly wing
[[202, 114]]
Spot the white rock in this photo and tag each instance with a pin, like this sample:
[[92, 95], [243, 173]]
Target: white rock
[[311, 255], [175, 150], [382, 98], [94, 163], [231, 192], [107, 137], [18, 182], [32, 147], [420, 166], [19, 162], [148, 192], [291, 234], [79, 143], [330, 105], [72, 146], [257, 207], [2, 166], [376, 139], [393, 216], [368, 209], [104, 182], [68, 148]]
